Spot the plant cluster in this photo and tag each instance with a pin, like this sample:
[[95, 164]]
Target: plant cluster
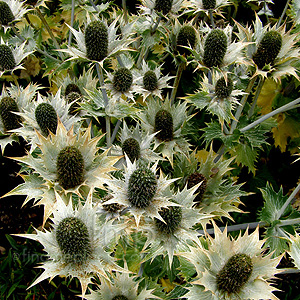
[[138, 123]]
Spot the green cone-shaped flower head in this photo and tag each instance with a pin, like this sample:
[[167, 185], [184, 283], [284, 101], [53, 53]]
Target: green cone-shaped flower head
[[164, 124], [150, 81], [7, 60], [163, 6], [72, 236], [6, 15], [73, 96], [215, 48], [46, 117], [268, 49], [70, 167], [223, 88], [235, 273], [142, 187], [194, 179], [172, 216], [96, 41], [10, 120], [209, 4], [72, 87], [119, 297], [122, 80], [186, 37], [132, 148], [112, 207]]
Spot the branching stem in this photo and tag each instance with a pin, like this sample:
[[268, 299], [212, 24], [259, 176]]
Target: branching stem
[[72, 21], [180, 69]]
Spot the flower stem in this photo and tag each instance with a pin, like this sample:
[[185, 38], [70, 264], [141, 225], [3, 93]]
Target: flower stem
[[177, 81], [257, 92], [283, 13], [94, 6], [291, 105], [265, 5], [125, 11], [212, 19], [116, 129], [289, 222], [49, 31], [72, 21]]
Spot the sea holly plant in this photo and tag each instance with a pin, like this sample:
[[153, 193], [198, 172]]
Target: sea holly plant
[[149, 133]]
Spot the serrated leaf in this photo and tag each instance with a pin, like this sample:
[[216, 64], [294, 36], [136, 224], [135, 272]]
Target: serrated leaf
[[295, 250], [187, 269], [275, 243], [267, 95]]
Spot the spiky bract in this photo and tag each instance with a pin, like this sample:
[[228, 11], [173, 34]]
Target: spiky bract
[[96, 41], [215, 48], [194, 179], [7, 60], [142, 187], [150, 81], [186, 37], [72, 237], [235, 273], [163, 6], [72, 87], [132, 149], [268, 49], [164, 125], [172, 216], [6, 15], [122, 80], [209, 4], [223, 88], [10, 120], [70, 167], [46, 117]]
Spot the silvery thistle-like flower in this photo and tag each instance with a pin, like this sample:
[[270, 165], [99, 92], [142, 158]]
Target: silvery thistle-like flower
[[217, 49], [42, 116], [294, 251], [136, 144], [122, 286], [232, 268], [140, 190], [272, 52], [98, 42], [167, 120], [77, 244], [10, 11], [11, 57], [295, 10], [164, 7], [13, 100], [172, 235], [152, 81], [217, 96], [206, 5], [68, 163]]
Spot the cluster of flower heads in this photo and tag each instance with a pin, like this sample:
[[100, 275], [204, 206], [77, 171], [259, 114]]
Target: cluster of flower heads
[[94, 194]]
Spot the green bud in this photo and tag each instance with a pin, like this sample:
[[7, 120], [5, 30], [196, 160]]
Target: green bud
[[96, 41], [46, 117], [6, 15], [72, 236], [10, 120], [7, 60], [142, 187], [186, 37], [235, 273], [73, 96], [194, 179], [223, 89], [72, 87], [164, 124], [150, 81], [209, 4], [172, 216], [132, 148], [215, 47], [122, 80], [70, 167], [163, 6]]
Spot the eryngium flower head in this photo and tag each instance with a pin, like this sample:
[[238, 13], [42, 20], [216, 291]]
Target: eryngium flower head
[[122, 80], [120, 297], [46, 117], [142, 187], [7, 60], [6, 15], [132, 149], [73, 98], [194, 179], [10, 120], [186, 37], [209, 4], [96, 41], [150, 81], [164, 125], [268, 49], [72, 87], [72, 236], [70, 167], [215, 48], [235, 273], [163, 6], [223, 88], [172, 217]]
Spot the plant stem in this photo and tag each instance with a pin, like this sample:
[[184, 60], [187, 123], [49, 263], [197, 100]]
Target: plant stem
[[290, 198], [177, 81], [291, 105], [94, 6], [125, 10], [265, 4], [49, 31], [283, 13], [212, 19], [257, 92], [289, 222], [72, 21], [116, 129]]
